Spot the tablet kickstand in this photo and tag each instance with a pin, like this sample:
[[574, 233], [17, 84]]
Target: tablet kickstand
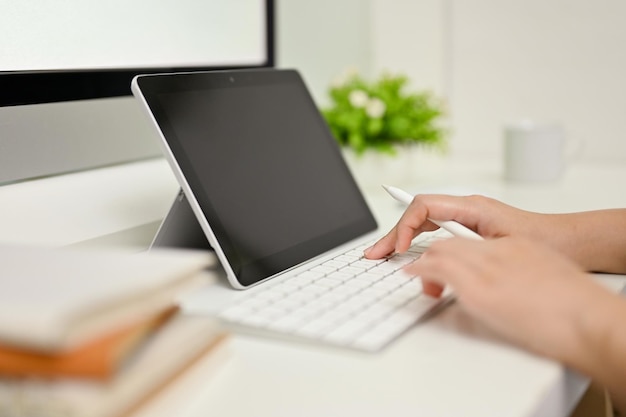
[[180, 228]]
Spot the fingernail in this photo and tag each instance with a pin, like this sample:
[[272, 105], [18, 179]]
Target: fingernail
[[367, 250]]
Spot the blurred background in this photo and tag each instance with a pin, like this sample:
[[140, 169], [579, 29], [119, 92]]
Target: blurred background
[[492, 61]]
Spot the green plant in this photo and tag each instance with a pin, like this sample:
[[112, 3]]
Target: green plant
[[381, 115]]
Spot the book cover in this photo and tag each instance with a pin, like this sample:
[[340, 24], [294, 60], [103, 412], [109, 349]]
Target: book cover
[[97, 359], [172, 351], [53, 300]]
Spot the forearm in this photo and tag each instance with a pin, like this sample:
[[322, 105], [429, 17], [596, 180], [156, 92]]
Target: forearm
[[602, 353], [596, 240]]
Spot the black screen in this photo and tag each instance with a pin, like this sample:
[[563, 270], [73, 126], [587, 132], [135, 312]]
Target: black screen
[[264, 168]]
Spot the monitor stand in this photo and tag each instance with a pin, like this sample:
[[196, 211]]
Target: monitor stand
[[180, 228]]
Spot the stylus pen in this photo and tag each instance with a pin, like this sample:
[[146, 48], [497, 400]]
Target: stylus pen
[[451, 226]]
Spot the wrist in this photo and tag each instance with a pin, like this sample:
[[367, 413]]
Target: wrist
[[597, 345]]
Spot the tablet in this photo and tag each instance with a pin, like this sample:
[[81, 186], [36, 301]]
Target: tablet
[[258, 165]]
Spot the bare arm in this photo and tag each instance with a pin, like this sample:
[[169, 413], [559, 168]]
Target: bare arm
[[596, 240], [603, 335]]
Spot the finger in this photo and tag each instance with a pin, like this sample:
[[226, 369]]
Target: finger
[[415, 221], [467, 210], [412, 223], [456, 262], [400, 237], [431, 288], [384, 247]]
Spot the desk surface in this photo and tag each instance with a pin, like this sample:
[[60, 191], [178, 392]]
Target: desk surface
[[447, 366]]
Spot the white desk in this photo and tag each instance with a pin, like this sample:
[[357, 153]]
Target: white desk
[[448, 366]]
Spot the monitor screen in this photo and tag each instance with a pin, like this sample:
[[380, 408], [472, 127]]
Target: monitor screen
[[77, 49]]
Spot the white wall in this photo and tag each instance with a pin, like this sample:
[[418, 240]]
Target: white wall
[[408, 36], [492, 60], [322, 39], [562, 60]]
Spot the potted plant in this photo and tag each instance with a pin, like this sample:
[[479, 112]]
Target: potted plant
[[382, 115]]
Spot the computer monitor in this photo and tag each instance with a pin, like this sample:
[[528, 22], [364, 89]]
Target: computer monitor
[[66, 68]]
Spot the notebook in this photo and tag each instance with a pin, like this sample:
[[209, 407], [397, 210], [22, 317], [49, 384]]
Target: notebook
[[55, 300], [260, 170]]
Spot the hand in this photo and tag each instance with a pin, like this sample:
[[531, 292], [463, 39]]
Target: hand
[[527, 292], [488, 217]]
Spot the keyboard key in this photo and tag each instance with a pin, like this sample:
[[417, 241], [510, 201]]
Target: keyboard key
[[339, 275], [302, 297], [353, 270], [388, 267], [288, 304], [319, 305], [357, 283], [336, 317], [346, 332], [314, 328], [414, 283], [301, 281], [347, 308], [287, 323], [347, 290], [399, 279], [368, 263], [399, 261], [323, 269], [379, 272], [367, 277], [286, 287], [392, 326], [421, 305], [347, 259], [310, 275], [395, 299], [360, 300], [408, 291], [271, 312], [355, 252], [334, 264], [418, 249], [385, 286], [374, 293], [376, 311], [334, 297], [315, 289], [327, 282]]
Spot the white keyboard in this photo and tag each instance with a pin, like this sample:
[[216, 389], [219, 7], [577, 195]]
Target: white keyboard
[[347, 301]]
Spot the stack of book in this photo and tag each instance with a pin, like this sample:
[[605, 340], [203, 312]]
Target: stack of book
[[94, 333]]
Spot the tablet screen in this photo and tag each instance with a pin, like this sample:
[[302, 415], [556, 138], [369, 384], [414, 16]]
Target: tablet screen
[[262, 165]]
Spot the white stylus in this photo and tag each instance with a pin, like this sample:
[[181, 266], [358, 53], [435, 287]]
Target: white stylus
[[451, 226]]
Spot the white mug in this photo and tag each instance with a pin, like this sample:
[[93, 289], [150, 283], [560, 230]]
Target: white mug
[[533, 152]]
